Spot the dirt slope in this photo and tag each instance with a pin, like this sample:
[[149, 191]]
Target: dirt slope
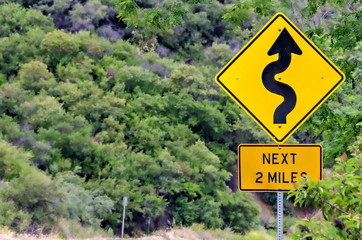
[[179, 234], [175, 234], [266, 213]]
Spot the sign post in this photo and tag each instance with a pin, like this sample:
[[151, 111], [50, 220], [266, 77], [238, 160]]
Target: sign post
[[280, 215], [124, 212], [275, 168]]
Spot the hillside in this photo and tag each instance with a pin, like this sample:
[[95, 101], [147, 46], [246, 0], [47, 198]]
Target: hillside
[[106, 99]]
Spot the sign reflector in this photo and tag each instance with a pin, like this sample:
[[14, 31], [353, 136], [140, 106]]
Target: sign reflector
[[272, 168]]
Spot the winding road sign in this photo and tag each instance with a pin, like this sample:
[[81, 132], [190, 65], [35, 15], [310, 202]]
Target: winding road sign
[[279, 78]]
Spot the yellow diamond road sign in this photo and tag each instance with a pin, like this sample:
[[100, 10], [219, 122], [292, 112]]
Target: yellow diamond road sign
[[280, 78]]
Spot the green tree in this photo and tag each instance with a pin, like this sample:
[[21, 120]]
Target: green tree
[[89, 207], [59, 47], [239, 212], [26, 191], [35, 76], [17, 50], [87, 16], [16, 19], [190, 80]]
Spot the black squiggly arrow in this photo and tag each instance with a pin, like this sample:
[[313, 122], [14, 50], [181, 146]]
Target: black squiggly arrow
[[285, 46]]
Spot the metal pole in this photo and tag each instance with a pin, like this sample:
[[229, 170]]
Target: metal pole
[[280, 215], [124, 212]]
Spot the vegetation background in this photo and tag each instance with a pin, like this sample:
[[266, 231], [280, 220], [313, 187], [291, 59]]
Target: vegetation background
[[101, 99]]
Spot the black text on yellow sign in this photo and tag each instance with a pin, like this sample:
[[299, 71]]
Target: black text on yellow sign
[[271, 168]]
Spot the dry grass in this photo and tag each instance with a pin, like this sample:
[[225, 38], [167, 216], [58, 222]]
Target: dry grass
[[8, 235], [196, 232], [179, 234], [176, 234]]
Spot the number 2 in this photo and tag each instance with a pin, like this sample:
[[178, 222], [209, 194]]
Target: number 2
[[257, 180]]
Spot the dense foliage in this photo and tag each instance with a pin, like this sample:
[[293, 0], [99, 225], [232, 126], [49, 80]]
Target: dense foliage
[[94, 109], [338, 124], [92, 120], [338, 197]]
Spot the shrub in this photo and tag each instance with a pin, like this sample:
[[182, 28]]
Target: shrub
[[59, 47], [89, 207], [240, 212], [26, 195], [16, 19], [188, 79], [94, 46], [11, 97], [257, 236], [35, 76], [218, 55], [42, 112], [17, 50], [87, 16], [123, 50], [339, 197], [137, 77]]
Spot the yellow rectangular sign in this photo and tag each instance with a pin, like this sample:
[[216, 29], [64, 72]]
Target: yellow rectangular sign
[[272, 168]]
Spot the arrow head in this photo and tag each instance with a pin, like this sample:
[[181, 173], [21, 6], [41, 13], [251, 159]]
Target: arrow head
[[284, 43]]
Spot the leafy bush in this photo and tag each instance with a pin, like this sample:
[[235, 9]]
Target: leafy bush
[[26, 191], [339, 197], [89, 207], [271, 198], [42, 112], [15, 19], [218, 55], [59, 47], [253, 235], [94, 46], [35, 76], [11, 97], [17, 50], [188, 79], [136, 77], [87, 17], [240, 213], [123, 50], [30, 198]]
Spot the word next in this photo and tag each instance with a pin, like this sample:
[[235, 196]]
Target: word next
[[279, 177]]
